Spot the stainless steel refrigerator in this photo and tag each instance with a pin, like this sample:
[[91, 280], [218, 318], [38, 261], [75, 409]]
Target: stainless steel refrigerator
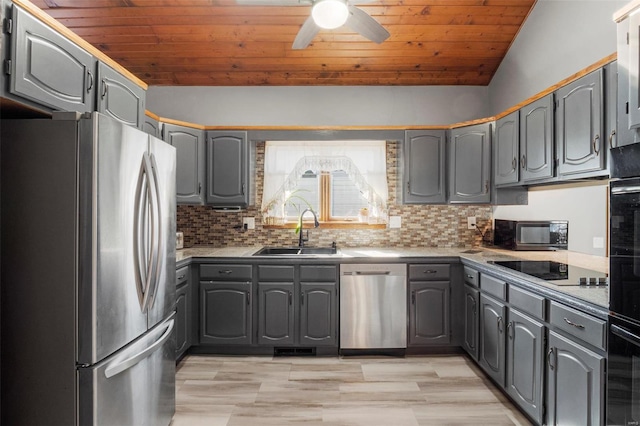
[[88, 273]]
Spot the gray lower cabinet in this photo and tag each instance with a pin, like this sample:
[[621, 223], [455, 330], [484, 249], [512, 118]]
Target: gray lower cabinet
[[424, 179], [575, 392], [525, 363], [470, 164], [491, 346], [182, 320], [429, 322], [580, 142], [471, 320], [318, 314], [536, 141], [227, 169], [276, 314], [119, 97], [506, 149], [225, 313], [49, 69], [190, 161]]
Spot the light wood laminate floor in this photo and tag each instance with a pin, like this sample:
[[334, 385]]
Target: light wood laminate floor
[[332, 391]]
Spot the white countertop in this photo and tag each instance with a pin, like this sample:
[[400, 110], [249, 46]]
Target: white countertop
[[598, 296]]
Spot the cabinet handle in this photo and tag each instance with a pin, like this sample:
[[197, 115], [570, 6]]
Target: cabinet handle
[[474, 307], [429, 271], [302, 298], [248, 298], [199, 188], [225, 271], [181, 277], [523, 162], [290, 298], [568, 321], [470, 276], [549, 355], [486, 186], [510, 329], [90, 85], [408, 187], [243, 186], [104, 89], [413, 297], [500, 325], [514, 163], [596, 145], [613, 133]]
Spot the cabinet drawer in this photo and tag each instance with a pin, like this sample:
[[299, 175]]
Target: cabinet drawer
[[527, 302], [429, 272], [275, 273], [182, 275], [590, 329], [494, 287], [318, 273], [471, 276], [226, 272]]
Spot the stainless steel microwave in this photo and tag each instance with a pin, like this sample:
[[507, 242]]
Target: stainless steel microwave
[[531, 234]]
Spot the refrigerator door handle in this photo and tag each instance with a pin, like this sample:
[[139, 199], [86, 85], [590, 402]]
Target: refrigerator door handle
[[139, 235], [124, 361], [156, 247]]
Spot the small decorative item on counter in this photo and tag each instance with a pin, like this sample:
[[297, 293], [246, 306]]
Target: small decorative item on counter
[[179, 240], [363, 215]]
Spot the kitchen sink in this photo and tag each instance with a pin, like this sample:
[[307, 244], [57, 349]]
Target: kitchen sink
[[296, 251]]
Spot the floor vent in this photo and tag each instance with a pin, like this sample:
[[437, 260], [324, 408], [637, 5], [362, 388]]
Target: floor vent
[[294, 351]]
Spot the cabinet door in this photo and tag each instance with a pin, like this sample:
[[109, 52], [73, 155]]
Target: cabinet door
[[634, 71], [579, 125], [276, 320], [48, 68], [525, 355], [424, 167], [471, 317], [182, 319], [625, 132], [492, 352], [151, 126], [119, 97], [429, 313], [536, 140], [227, 169], [318, 314], [189, 144], [506, 148], [470, 164], [575, 394], [225, 312]]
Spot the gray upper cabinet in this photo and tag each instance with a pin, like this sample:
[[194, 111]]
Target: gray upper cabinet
[[276, 314], [536, 140], [227, 169], [424, 167], [525, 366], [119, 97], [190, 168], [471, 320], [626, 133], [429, 313], [151, 126], [492, 350], [318, 313], [49, 69], [506, 146], [634, 70], [580, 144], [470, 164], [575, 392]]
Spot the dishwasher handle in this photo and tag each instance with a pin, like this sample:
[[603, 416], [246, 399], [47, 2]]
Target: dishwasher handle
[[370, 273]]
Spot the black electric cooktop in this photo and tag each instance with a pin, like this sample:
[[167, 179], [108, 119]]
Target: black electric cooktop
[[556, 273]]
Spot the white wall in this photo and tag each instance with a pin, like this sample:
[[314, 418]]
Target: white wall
[[558, 39], [319, 106], [584, 205]]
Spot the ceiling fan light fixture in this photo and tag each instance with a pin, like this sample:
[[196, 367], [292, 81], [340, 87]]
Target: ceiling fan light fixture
[[330, 14]]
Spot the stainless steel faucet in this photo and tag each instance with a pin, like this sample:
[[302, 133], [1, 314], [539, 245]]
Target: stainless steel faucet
[[301, 239]]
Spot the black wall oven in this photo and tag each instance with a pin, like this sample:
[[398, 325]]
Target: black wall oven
[[623, 377]]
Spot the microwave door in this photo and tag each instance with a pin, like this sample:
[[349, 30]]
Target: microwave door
[[534, 234]]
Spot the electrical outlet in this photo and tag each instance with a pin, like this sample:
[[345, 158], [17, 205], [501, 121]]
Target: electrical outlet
[[471, 222], [395, 221], [249, 222], [598, 242]]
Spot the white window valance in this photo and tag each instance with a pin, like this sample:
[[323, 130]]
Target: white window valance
[[364, 161]]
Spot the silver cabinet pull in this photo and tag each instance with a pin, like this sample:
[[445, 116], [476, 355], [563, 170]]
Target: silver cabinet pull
[[302, 298], [523, 162], [510, 329], [181, 277], [596, 145], [413, 297], [549, 355], [90, 85], [568, 321], [104, 89], [500, 324], [429, 271], [248, 298], [514, 163], [225, 271], [290, 298], [613, 133]]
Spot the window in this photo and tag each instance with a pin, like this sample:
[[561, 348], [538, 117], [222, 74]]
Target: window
[[342, 181]]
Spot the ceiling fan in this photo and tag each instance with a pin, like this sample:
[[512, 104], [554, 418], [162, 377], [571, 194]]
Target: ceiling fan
[[330, 14]]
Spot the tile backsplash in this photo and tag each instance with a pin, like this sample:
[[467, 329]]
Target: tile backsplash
[[422, 225]]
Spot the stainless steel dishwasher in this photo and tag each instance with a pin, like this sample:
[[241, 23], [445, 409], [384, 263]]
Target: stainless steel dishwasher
[[373, 306]]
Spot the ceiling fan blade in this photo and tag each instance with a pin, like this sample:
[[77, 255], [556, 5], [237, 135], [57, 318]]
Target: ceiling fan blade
[[360, 22], [307, 32]]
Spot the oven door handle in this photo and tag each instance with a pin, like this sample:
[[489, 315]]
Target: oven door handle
[[626, 189], [625, 334]]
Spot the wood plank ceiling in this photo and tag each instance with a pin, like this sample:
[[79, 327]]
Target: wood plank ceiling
[[221, 43]]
